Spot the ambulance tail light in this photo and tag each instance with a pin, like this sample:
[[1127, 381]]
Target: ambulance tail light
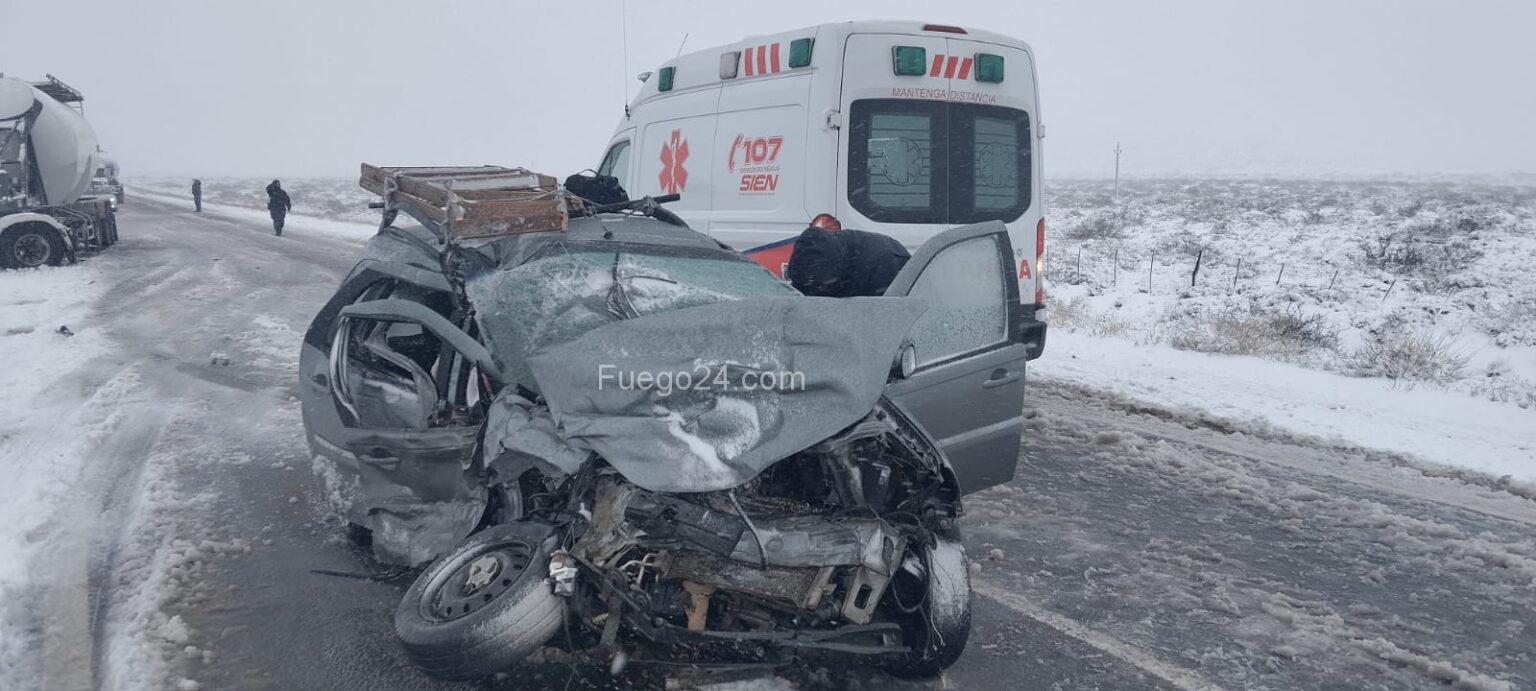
[[944, 28], [1040, 261]]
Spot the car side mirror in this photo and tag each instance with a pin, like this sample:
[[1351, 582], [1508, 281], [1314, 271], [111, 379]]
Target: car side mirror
[[905, 362]]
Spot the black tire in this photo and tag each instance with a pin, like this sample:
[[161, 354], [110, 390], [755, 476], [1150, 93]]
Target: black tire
[[501, 623], [31, 245], [108, 233], [938, 631]]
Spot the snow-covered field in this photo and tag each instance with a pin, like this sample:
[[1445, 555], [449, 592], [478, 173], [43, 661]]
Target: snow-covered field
[[1426, 284]]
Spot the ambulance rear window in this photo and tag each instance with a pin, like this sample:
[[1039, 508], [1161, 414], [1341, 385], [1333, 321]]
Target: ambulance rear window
[[935, 162]]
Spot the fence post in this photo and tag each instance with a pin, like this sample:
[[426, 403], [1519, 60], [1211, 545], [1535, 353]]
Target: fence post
[[1196, 273], [1335, 278], [1079, 264], [1150, 261], [1389, 290], [1114, 276], [1237, 272], [1281, 275]]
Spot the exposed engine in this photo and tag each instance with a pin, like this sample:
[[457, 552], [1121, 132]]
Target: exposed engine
[[813, 543], [848, 547]]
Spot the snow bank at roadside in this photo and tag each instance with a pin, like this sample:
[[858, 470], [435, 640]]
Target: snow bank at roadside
[[37, 439], [1442, 427], [296, 224], [46, 429]]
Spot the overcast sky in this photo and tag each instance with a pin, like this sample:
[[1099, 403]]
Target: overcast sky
[[273, 87]]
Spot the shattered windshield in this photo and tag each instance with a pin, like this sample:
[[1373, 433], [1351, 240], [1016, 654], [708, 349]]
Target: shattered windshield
[[561, 296]]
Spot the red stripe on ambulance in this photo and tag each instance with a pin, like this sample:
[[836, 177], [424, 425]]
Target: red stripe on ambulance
[[951, 67], [756, 60]]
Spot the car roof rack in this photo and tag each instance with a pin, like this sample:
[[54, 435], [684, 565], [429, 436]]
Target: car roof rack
[[460, 203]]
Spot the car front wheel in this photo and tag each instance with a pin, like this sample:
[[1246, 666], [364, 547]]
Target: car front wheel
[[483, 606], [935, 631]]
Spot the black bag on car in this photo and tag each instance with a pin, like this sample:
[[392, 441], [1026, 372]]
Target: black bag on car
[[844, 263], [598, 189]]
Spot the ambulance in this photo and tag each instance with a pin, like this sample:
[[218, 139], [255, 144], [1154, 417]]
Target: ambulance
[[902, 128]]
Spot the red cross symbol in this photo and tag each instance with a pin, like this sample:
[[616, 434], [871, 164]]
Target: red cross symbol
[[674, 177]]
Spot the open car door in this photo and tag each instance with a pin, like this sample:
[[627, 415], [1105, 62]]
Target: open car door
[[967, 385]]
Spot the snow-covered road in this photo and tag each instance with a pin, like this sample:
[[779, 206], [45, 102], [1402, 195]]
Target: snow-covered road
[[1137, 548]]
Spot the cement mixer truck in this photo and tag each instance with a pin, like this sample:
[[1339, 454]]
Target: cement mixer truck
[[48, 156]]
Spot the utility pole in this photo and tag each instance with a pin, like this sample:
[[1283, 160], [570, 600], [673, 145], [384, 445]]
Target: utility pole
[[1117, 171]]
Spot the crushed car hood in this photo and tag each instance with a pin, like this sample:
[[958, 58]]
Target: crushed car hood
[[703, 399]]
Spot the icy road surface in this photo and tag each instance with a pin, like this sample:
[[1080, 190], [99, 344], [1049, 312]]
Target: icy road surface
[[1136, 548]]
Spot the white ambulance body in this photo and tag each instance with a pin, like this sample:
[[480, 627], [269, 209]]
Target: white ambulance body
[[903, 128]]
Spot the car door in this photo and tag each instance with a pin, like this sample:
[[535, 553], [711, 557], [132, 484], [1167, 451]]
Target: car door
[[967, 385]]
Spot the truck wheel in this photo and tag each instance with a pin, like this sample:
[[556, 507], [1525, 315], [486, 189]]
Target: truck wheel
[[483, 606], [937, 632], [29, 246]]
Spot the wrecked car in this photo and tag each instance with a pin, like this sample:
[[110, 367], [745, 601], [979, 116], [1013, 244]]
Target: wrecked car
[[602, 430]]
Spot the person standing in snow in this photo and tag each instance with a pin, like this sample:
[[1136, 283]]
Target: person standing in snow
[[279, 205], [197, 194]]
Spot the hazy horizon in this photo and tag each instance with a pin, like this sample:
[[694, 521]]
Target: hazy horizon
[[1189, 88]]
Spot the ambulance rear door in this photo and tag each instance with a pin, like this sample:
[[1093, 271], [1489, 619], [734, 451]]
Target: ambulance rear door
[[939, 132]]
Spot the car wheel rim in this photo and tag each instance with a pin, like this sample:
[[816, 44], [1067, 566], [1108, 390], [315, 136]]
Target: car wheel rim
[[475, 579], [32, 250]]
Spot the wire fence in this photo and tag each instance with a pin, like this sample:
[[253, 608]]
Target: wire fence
[[1174, 272]]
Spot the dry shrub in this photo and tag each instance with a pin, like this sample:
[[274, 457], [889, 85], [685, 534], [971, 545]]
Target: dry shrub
[[1403, 355], [1077, 315], [1255, 330], [1099, 225]]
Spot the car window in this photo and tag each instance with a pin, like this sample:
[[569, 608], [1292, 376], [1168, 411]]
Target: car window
[[557, 298], [398, 375], [384, 388], [967, 301]]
